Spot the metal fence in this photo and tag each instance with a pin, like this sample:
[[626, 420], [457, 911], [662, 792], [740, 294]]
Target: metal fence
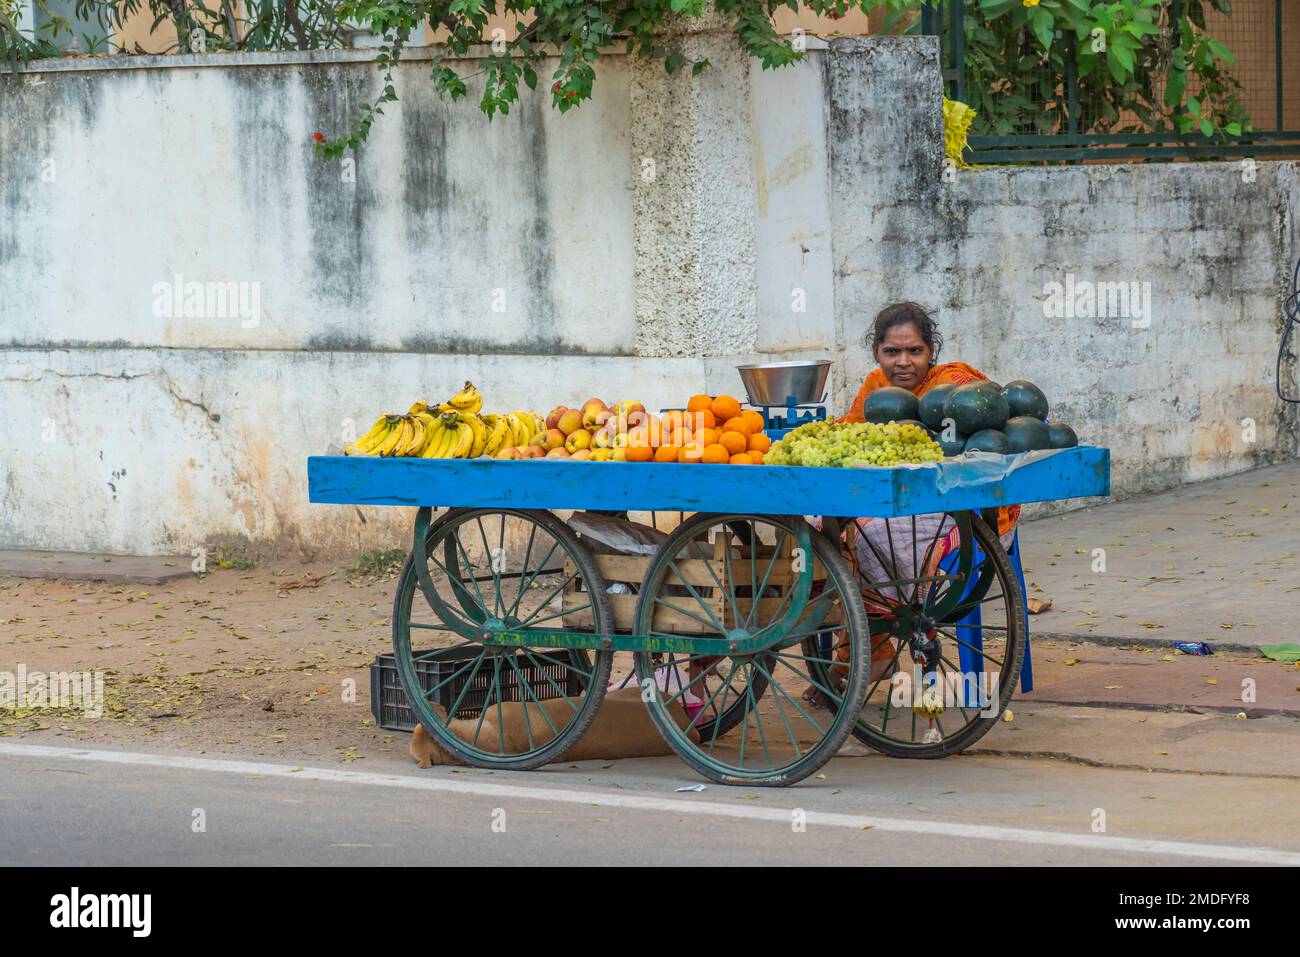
[[1050, 114]]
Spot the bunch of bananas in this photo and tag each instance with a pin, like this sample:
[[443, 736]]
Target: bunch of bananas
[[451, 430], [468, 401]]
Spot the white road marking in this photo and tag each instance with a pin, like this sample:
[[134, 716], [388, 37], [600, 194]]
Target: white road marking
[[646, 802]]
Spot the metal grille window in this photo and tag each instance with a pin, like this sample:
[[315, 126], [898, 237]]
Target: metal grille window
[[1033, 108]]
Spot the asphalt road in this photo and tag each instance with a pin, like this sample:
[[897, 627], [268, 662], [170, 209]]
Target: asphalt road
[[68, 806]]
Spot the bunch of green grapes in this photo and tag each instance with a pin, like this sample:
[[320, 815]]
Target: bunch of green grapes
[[830, 444]]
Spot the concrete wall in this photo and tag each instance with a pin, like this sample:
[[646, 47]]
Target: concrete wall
[[1214, 243], [639, 247]]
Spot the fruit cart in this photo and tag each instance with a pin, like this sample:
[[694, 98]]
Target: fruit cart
[[758, 639]]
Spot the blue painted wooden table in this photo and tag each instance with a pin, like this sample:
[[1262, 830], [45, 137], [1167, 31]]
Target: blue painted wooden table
[[951, 485]]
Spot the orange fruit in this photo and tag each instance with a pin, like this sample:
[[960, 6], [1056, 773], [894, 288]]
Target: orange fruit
[[667, 453], [672, 420], [639, 453], [639, 438], [704, 419], [725, 407], [734, 442], [741, 458], [756, 418], [681, 438], [715, 454], [755, 457], [691, 454], [709, 437], [758, 442], [738, 423], [699, 403]]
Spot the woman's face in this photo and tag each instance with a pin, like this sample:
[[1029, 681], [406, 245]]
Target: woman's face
[[903, 356]]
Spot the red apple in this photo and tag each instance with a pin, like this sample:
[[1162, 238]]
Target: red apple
[[578, 440], [570, 421], [591, 410], [553, 419]]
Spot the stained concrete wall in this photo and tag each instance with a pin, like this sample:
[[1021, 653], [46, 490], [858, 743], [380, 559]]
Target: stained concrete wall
[[1173, 394], [639, 247]]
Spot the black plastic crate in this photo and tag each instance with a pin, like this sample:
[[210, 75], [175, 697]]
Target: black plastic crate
[[392, 709]]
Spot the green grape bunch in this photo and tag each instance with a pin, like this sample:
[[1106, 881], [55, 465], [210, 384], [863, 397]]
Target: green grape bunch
[[828, 444]]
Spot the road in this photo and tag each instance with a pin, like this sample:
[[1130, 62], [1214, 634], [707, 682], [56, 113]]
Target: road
[[72, 806]]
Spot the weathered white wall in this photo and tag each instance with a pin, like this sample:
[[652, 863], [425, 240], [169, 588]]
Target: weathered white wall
[[980, 247], [127, 431]]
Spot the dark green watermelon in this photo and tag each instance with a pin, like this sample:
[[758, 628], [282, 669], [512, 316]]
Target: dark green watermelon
[[956, 447], [932, 405], [988, 440], [890, 404], [1025, 398], [1026, 433], [976, 406], [919, 425], [1061, 436]]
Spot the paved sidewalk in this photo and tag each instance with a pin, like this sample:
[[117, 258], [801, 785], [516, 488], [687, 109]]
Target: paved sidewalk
[[1217, 562], [79, 566]]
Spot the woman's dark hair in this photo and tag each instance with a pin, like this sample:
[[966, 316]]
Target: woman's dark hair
[[902, 314]]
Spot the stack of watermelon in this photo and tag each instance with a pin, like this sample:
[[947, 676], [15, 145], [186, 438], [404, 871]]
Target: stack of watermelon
[[985, 417]]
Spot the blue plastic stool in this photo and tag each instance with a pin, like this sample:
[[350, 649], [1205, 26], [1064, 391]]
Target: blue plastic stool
[[970, 661]]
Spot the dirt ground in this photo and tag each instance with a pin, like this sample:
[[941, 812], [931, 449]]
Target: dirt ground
[[275, 662]]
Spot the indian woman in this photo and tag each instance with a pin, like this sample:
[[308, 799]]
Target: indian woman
[[905, 342]]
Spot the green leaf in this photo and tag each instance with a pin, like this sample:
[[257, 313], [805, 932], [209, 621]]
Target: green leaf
[[699, 66], [1175, 87], [530, 76], [1207, 127], [1234, 129], [1194, 106], [1123, 54], [1114, 67], [995, 8], [1044, 27], [674, 62], [1220, 51]]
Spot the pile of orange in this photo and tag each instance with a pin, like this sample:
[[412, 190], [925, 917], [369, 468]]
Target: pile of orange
[[713, 430]]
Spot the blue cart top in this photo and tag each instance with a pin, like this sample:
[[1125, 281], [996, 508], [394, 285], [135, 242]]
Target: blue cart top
[[972, 481]]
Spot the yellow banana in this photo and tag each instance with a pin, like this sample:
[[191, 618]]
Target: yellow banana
[[400, 435], [427, 420], [390, 439], [365, 445], [467, 400], [499, 432], [419, 407], [464, 442], [520, 432], [418, 434], [441, 446], [480, 436], [436, 447]]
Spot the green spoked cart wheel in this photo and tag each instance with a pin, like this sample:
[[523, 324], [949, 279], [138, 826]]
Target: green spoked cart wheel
[[948, 631], [762, 589], [494, 706]]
